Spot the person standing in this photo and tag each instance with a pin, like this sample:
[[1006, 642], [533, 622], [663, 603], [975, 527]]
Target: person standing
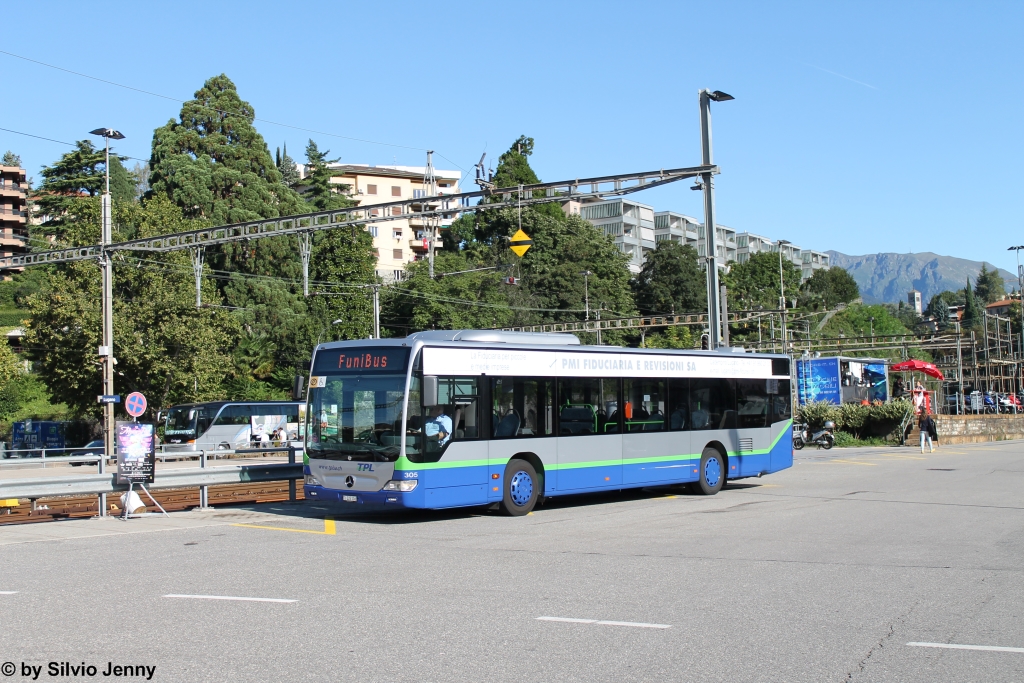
[[927, 426]]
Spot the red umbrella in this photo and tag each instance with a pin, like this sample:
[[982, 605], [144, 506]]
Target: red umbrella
[[914, 365]]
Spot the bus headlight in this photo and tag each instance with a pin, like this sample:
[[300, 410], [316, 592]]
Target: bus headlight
[[310, 480], [403, 485]]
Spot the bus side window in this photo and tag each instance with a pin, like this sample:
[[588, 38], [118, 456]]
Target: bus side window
[[588, 406], [751, 403], [521, 407], [780, 401], [644, 404]]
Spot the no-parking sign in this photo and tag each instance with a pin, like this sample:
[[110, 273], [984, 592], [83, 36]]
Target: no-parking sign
[[135, 404]]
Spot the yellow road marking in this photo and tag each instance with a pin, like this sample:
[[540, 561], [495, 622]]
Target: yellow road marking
[[769, 486], [852, 462], [670, 496], [903, 457], [329, 529]]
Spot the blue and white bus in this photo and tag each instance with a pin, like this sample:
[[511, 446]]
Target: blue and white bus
[[456, 418]]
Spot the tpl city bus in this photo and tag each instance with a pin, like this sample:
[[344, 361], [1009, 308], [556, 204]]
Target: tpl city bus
[[456, 418]]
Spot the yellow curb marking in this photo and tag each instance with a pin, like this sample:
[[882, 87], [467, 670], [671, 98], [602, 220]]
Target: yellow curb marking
[[329, 528]]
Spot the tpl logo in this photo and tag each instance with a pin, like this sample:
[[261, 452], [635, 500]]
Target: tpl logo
[[365, 467]]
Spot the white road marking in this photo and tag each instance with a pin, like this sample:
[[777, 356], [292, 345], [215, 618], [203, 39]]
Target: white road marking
[[635, 624], [952, 646], [8, 592], [226, 597]]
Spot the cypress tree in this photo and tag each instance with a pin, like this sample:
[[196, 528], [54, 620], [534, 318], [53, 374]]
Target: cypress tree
[[972, 312]]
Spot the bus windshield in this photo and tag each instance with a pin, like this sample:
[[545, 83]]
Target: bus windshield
[[356, 417], [181, 421]]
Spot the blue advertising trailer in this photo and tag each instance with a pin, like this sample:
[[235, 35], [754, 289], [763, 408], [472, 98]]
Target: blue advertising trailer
[[842, 379]]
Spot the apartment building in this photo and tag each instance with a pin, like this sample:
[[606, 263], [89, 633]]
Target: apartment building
[[403, 240], [13, 211], [812, 261], [676, 227], [630, 224]]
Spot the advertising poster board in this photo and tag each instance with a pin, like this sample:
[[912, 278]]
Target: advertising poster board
[[818, 380], [136, 452]]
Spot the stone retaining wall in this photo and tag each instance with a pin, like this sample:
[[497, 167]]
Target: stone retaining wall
[[954, 429]]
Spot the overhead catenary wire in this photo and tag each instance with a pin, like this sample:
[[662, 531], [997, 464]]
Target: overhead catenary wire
[[219, 111]]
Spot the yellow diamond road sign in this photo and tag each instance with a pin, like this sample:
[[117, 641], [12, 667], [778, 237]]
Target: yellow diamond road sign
[[519, 243]]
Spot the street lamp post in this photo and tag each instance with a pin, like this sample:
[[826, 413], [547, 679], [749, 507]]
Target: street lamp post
[[1020, 337], [714, 313], [872, 321], [106, 350], [782, 294]]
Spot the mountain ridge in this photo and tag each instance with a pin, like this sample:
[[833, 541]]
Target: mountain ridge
[[888, 277]]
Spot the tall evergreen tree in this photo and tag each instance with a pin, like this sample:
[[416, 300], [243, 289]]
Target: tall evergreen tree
[[972, 311], [990, 286], [214, 165], [77, 175], [286, 165], [319, 191], [10, 159]]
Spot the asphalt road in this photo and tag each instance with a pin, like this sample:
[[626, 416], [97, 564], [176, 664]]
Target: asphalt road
[[824, 572]]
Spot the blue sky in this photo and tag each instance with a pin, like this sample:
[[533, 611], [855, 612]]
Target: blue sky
[[861, 127]]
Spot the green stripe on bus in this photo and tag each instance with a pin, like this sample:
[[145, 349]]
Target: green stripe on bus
[[405, 464]]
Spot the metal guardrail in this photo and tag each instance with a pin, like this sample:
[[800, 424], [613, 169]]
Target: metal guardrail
[[102, 483]]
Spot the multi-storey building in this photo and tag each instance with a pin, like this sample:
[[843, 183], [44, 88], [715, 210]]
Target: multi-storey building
[[403, 240], [13, 213], [812, 261], [630, 225], [676, 227]]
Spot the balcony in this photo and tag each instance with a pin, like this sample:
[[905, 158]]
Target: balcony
[[11, 190], [420, 245], [12, 215]]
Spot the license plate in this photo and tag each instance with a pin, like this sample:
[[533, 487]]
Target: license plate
[[349, 499]]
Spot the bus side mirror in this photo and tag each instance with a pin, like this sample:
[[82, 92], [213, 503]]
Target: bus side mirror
[[430, 390], [191, 415], [159, 416]]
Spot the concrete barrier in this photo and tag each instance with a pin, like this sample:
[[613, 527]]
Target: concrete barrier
[[954, 429]]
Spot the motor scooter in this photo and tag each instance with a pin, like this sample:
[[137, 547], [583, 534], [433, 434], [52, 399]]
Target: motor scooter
[[802, 435]]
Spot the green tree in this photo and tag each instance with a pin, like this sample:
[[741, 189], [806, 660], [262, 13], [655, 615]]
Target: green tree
[[972, 316], [832, 286], [319, 192], [164, 346], [855, 321], [671, 281], [675, 337], [460, 300], [990, 286], [939, 304], [11, 159], [214, 165], [755, 283], [77, 175], [286, 165]]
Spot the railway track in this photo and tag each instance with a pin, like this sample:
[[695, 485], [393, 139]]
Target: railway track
[[72, 507]]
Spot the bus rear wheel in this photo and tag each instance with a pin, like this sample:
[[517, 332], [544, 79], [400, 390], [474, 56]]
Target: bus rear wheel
[[521, 489], [711, 472]]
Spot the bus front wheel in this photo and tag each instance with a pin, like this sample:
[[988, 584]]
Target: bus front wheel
[[522, 488], [711, 472]]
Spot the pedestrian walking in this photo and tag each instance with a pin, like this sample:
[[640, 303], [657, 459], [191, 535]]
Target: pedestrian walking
[[927, 426]]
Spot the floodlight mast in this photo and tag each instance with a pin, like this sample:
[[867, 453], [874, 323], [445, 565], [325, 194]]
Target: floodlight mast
[[714, 310], [106, 350]]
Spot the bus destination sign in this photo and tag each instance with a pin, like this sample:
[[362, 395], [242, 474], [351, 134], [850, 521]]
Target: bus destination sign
[[360, 360]]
